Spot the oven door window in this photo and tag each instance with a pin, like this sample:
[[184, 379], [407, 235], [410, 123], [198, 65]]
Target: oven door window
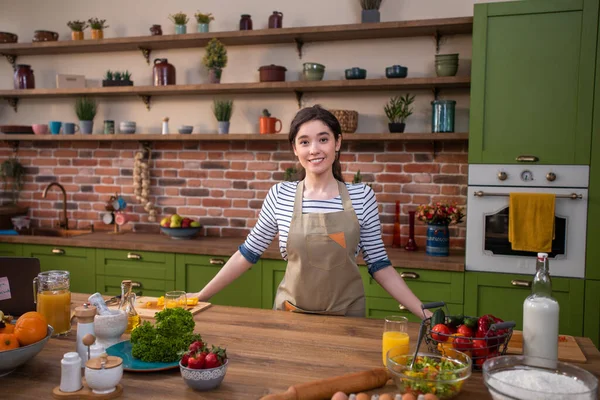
[[496, 236]]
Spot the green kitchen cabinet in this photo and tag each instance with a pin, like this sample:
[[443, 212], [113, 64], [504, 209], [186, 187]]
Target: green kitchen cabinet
[[111, 285], [378, 307], [591, 325], [272, 275], [503, 295], [196, 271], [532, 81], [79, 261], [11, 250]]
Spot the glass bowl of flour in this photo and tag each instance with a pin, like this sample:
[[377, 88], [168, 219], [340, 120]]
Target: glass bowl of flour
[[530, 378]]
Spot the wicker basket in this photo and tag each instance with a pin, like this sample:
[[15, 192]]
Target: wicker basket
[[348, 119]]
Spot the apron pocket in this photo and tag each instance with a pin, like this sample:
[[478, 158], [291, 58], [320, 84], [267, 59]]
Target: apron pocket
[[324, 252]]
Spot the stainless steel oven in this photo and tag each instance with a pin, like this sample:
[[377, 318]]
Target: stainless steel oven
[[488, 248]]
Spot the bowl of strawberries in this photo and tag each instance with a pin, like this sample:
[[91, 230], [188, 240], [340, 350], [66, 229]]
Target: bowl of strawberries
[[203, 368]]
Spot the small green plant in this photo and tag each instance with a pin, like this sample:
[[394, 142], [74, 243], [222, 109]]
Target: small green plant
[[204, 18], [370, 4], [266, 113], [117, 76], [108, 75], [223, 109], [96, 23], [358, 179], [216, 55], [290, 174], [85, 108], [12, 173], [77, 26], [126, 75], [180, 18], [398, 109]]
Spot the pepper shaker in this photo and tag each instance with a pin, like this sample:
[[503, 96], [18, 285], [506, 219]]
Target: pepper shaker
[[85, 325], [70, 372]]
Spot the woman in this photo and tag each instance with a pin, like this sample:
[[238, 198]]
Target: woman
[[322, 225]]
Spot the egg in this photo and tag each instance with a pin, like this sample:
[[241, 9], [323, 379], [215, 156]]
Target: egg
[[409, 396], [430, 396], [363, 396], [386, 396], [339, 396]]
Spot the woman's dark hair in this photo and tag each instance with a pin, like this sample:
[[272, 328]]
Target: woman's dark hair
[[318, 113]]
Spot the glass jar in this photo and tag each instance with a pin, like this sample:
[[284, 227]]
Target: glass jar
[[128, 305], [53, 299], [246, 22], [442, 115], [23, 77]]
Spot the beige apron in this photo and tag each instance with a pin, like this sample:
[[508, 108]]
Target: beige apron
[[321, 275]]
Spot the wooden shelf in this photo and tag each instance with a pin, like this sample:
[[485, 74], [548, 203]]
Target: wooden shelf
[[248, 88], [299, 36], [281, 137]]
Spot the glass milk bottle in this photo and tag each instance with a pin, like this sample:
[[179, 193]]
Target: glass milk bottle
[[540, 317], [53, 299]]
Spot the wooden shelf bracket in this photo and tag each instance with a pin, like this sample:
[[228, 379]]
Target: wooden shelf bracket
[[299, 44], [12, 60], [146, 53], [13, 102], [299, 95], [437, 36], [146, 99]]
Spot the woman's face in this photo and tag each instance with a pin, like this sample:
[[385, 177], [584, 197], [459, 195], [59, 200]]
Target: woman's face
[[315, 146]]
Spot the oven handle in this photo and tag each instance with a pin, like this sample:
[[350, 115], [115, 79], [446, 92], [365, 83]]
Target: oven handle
[[572, 196], [519, 282]]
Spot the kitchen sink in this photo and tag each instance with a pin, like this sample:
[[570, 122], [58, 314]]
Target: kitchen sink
[[59, 232]]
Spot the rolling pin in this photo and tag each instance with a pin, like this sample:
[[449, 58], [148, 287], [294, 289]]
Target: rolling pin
[[325, 388]]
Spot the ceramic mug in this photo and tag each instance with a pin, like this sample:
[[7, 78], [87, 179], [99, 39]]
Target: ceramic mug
[[55, 127], [119, 203], [70, 128]]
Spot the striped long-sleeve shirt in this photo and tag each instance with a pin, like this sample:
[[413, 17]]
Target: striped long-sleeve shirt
[[276, 215]]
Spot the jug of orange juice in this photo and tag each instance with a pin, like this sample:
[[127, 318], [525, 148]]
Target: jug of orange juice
[[52, 295]]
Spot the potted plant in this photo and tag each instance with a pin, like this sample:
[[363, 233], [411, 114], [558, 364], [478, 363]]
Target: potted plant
[[203, 21], [222, 110], [180, 20], [370, 10], [86, 108], [117, 79], [438, 216], [268, 124], [98, 26], [397, 111], [358, 179], [77, 28], [290, 174], [215, 59], [12, 173]]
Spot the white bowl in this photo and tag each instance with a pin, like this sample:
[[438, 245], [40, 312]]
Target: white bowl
[[103, 381]]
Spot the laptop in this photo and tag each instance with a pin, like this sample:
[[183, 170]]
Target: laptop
[[16, 284]]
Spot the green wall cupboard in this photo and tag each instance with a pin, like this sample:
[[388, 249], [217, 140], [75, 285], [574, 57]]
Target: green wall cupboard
[[272, 275], [196, 271], [591, 326], [11, 250], [79, 261], [532, 81], [497, 294]]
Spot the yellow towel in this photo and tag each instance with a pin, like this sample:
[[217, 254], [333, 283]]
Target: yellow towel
[[531, 221]]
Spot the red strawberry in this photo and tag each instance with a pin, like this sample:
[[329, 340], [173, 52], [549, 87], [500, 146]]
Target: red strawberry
[[212, 361], [185, 359], [197, 362], [196, 346]]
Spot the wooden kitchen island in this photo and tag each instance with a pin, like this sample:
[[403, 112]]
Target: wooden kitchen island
[[268, 351]]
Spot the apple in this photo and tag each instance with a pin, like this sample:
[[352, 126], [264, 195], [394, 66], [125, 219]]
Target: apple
[[166, 222], [195, 224], [185, 223], [175, 224]]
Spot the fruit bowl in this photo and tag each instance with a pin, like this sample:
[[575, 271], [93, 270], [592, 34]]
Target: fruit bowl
[[180, 233], [203, 379], [11, 359]]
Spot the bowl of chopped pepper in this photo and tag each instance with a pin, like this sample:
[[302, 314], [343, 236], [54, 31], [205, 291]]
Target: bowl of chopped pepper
[[441, 375]]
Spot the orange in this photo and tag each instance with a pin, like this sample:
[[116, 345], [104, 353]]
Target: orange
[[8, 341], [30, 328], [8, 328]]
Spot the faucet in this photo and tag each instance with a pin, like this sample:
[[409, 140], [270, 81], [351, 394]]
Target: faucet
[[65, 222]]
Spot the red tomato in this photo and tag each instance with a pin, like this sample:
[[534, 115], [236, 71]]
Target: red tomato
[[465, 331], [462, 344], [443, 330]]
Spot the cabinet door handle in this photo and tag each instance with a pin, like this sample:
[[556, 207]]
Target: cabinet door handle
[[134, 256], [58, 251], [217, 261], [521, 283], [409, 275], [401, 307], [527, 159]]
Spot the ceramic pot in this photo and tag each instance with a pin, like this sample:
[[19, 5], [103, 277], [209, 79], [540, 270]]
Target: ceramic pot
[[276, 20], [223, 127], [202, 28], [76, 35], [269, 125], [7, 37], [86, 127], [245, 22], [272, 73], [164, 73], [103, 374], [214, 75], [396, 127], [45, 36], [370, 16], [180, 29], [97, 34], [313, 71], [438, 240], [442, 115], [155, 30], [23, 77]]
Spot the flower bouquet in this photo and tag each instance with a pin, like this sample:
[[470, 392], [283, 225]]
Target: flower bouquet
[[440, 213]]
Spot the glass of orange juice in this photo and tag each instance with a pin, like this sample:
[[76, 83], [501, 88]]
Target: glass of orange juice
[[53, 299], [395, 334], [176, 298]]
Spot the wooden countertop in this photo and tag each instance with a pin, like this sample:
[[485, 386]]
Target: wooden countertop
[[268, 350], [219, 246]]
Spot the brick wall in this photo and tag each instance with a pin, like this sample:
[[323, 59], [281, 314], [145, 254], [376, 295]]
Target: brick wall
[[223, 184]]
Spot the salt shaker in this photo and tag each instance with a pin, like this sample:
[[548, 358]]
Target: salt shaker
[[165, 126], [85, 325], [70, 372]]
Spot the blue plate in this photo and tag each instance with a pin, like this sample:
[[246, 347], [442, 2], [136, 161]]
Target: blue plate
[[123, 350]]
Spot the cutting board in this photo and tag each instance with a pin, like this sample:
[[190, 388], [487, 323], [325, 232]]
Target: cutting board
[[568, 349], [140, 307]]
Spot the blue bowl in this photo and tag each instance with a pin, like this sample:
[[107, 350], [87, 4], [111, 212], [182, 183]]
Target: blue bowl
[[180, 233], [396, 71], [356, 73]]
